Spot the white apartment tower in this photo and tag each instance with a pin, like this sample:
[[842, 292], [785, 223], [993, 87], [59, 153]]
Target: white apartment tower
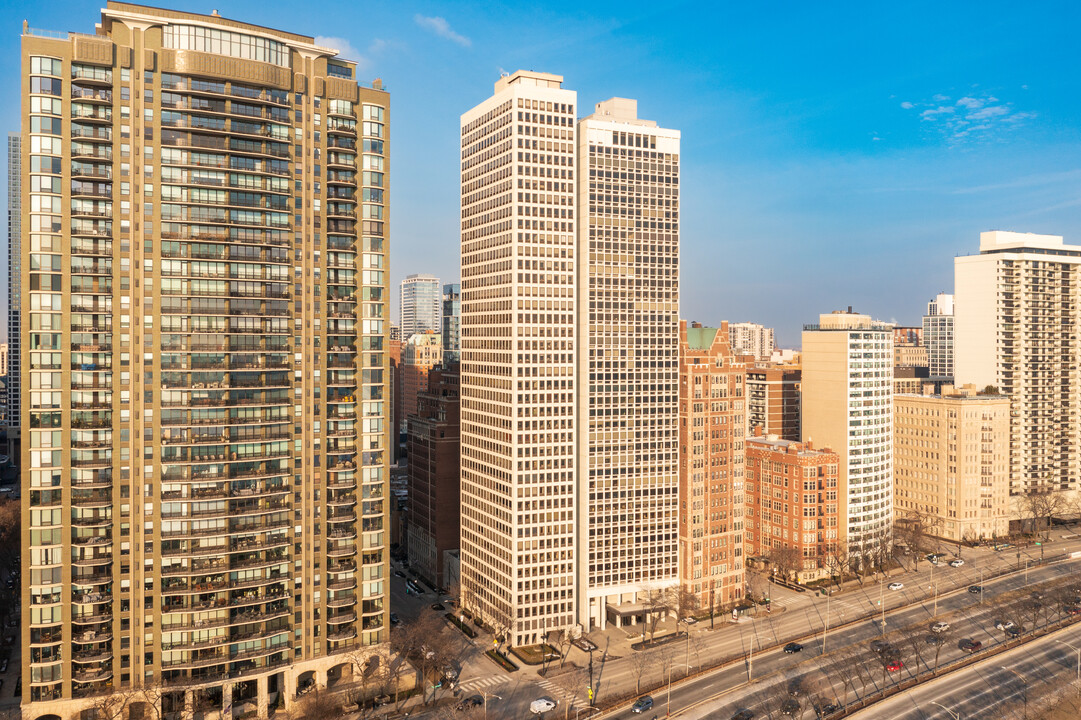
[[938, 336], [847, 389], [518, 415], [1017, 317], [628, 353], [421, 305], [749, 338]]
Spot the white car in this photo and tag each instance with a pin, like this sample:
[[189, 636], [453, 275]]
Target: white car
[[957, 563], [542, 705], [940, 627], [896, 586], [1000, 625]]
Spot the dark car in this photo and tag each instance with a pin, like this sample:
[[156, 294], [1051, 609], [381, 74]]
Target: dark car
[[642, 704], [399, 573], [971, 646], [743, 714], [829, 708], [394, 620], [790, 707], [795, 687], [934, 640], [1073, 610], [470, 702], [1015, 631], [975, 589], [792, 647], [880, 646], [438, 607]]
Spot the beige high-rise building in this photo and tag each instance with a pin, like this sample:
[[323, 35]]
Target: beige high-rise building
[[518, 413], [951, 457], [205, 466], [1017, 326], [628, 360], [847, 398]]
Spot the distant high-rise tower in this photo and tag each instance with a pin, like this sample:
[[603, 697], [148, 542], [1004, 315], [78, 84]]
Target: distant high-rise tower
[[749, 338], [421, 305], [847, 390], [15, 178], [1017, 316], [938, 336], [452, 322], [205, 461], [628, 334], [519, 536]]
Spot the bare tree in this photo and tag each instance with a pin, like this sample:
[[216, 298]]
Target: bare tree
[[640, 664], [698, 644], [658, 605], [914, 637], [756, 585], [787, 560], [318, 705], [571, 683], [563, 643], [685, 602], [113, 705], [843, 666], [501, 623]]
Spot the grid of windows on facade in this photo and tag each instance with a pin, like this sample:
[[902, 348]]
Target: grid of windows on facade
[[44, 332], [632, 345]]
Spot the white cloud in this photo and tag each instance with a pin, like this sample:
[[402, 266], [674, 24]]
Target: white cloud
[[977, 117], [345, 50], [442, 28]]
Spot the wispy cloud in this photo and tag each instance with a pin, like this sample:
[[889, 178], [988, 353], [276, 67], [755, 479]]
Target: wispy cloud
[[345, 50], [442, 28], [973, 118]]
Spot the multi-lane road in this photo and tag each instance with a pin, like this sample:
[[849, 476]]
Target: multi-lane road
[[721, 693]]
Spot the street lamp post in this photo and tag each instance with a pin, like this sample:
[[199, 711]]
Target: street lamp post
[[826, 629], [591, 693], [935, 613], [882, 604], [981, 586], [954, 715], [1024, 684]]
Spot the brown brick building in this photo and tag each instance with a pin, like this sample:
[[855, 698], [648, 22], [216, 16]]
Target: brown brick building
[[711, 429], [434, 451], [792, 502]]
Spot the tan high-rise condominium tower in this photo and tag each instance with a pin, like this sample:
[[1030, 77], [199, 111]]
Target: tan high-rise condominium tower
[[204, 373], [628, 360], [1017, 312], [518, 384], [847, 395]]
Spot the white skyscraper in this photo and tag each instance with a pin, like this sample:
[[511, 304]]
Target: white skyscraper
[[1018, 315], [938, 336], [518, 414], [421, 305], [628, 359], [847, 390], [749, 338]]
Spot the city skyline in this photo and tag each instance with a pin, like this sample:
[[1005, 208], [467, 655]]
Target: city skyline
[[780, 138]]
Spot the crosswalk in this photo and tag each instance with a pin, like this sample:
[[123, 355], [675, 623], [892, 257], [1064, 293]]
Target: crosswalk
[[559, 693], [482, 683]]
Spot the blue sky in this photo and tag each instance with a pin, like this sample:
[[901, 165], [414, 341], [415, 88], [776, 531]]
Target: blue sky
[[834, 154]]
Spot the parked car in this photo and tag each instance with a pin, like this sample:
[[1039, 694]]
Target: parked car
[[933, 640], [795, 687], [792, 647], [438, 607], [881, 646], [895, 586], [894, 665], [935, 557], [394, 619], [971, 646], [1015, 631], [957, 562], [829, 708], [689, 620], [1004, 624], [542, 705], [470, 702], [642, 704], [940, 626], [790, 708]]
